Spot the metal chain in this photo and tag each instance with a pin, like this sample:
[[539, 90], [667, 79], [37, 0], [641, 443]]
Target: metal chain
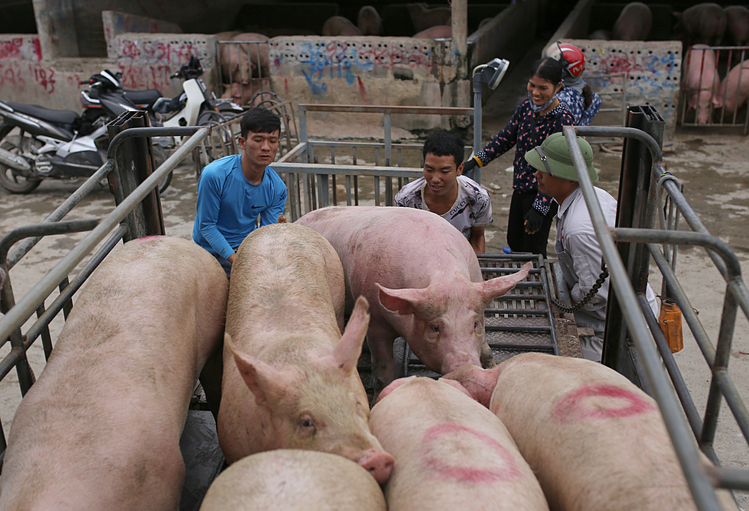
[[588, 297]]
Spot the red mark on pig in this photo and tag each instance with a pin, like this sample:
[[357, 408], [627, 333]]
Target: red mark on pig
[[574, 407], [435, 441]]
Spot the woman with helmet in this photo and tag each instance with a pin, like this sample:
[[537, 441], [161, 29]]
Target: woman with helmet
[[576, 95], [537, 117]]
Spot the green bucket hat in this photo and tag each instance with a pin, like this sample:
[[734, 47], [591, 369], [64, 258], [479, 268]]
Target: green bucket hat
[[553, 157]]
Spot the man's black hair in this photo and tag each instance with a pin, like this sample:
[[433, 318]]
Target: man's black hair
[[259, 120], [445, 144]]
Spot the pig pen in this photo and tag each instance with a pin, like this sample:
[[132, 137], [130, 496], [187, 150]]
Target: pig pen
[[631, 334]]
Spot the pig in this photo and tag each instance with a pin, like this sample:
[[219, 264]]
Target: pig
[[423, 279], [450, 452], [734, 89], [702, 82], [423, 17], [703, 23], [290, 378], [634, 23], [292, 479], [100, 428], [369, 21], [737, 25], [239, 67], [436, 32], [594, 440], [338, 25]]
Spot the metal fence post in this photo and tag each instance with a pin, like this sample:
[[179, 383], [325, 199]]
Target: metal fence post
[[133, 164], [636, 208]]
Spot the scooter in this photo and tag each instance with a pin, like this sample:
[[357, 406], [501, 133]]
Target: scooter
[[57, 144]]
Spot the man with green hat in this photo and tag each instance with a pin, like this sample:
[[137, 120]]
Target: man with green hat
[[577, 247]]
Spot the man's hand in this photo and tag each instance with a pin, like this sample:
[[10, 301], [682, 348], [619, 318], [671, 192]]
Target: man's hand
[[533, 221], [282, 219], [232, 257]]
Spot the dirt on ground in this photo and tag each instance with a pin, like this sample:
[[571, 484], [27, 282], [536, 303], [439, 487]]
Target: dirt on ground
[[712, 166]]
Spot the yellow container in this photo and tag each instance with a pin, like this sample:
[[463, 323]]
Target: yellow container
[[670, 321]]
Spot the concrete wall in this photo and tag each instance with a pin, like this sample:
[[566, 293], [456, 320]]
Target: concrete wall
[[116, 23]]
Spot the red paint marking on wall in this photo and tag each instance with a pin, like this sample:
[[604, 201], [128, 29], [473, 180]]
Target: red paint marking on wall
[[438, 439], [574, 408], [362, 90]]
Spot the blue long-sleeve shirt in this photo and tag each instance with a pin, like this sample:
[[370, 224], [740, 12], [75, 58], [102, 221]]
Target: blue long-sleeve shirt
[[526, 131], [228, 205]]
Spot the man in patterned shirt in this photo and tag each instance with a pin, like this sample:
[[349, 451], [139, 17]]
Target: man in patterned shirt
[[445, 191]]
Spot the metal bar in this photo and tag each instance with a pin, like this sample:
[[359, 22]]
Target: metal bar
[[77, 196], [702, 490], [44, 229], [27, 305], [541, 329], [381, 109]]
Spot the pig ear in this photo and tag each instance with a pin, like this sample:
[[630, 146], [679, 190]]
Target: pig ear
[[264, 381], [500, 285], [348, 350], [402, 301]]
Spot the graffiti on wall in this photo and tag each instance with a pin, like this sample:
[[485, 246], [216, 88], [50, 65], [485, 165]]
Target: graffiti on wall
[[20, 48], [638, 72], [116, 23], [324, 61], [146, 63], [27, 76]]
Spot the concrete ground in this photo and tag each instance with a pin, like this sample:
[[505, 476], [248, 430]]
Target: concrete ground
[[711, 165]]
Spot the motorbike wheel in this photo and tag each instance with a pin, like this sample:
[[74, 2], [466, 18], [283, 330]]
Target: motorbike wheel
[[11, 179], [218, 144], [159, 156]]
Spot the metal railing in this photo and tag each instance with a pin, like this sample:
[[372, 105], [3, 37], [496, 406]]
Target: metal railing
[[313, 185], [718, 101], [667, 386]]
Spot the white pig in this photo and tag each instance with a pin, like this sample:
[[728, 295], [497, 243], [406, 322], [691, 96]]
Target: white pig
[[291, 480], [702, 82], [369, 21], [423, 279], [734, 89], [290, 379], [450, 452], [594, 440], [338, 25], [100, 429], [423, 17]]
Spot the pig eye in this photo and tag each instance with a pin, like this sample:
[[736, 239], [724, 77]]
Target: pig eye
[[476, 325], [306, 422], [436, 329]]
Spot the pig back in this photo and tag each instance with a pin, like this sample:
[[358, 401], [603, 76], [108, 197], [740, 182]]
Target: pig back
[[291, 280], [594, 440], [395, 247], [112, 401], [289, 480], [450, 452]]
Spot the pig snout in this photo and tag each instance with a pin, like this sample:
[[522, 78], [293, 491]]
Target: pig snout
[[378, 463]]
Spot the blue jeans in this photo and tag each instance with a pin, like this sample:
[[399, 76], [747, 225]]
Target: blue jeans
[[226, 265]]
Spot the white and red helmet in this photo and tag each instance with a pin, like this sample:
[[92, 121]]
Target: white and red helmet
[[570, 53]]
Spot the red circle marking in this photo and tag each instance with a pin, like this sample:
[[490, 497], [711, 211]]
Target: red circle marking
[[573, 408], [507, 471]]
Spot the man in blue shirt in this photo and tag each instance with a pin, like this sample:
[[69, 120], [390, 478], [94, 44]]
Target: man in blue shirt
[[235, 190]]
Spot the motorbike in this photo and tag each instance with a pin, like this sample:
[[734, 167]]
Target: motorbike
[[38, 143], [62, 144]]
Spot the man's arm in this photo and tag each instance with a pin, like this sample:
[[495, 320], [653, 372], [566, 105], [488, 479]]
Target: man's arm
[[207, 211], [271, 214], [477, 239]]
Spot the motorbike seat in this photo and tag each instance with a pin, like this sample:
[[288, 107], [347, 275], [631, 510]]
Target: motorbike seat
[[58, 117], [143, 97]]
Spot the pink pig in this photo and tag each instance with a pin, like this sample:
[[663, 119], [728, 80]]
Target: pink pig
[[702, 82], [450, 452], [734, 89], [290, 378], [100, 428], [423, 280], [594, 440]]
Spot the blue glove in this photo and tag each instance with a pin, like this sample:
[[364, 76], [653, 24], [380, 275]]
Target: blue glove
[[533, 221]]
